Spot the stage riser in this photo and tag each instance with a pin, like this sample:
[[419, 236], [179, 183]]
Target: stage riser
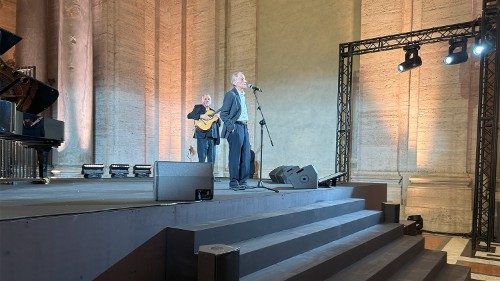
[[425, 266], [310, 238], [230, 231], [453, 272], [384, 262], [117, 244], [333, 257], [343, 218], [380, 252]]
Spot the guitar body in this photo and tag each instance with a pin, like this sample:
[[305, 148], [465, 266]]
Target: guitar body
[[205, 125]]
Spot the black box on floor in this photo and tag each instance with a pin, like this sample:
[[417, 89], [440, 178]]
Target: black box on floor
[[390, 212], [218, 263]]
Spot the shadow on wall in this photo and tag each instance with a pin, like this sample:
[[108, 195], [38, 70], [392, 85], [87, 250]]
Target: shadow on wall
[[147, 262]]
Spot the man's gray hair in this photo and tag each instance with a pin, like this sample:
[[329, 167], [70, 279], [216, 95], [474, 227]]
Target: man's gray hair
[[234, 77]]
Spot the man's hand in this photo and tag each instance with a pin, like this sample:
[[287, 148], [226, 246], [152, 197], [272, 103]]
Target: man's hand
[[205, 117]]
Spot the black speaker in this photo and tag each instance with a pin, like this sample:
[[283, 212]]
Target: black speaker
[[390, 212], [306, 177], [419, 222], [183, 181], [272, 174], [282, 173]]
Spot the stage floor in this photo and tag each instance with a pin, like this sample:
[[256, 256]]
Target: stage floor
[[78, 195]]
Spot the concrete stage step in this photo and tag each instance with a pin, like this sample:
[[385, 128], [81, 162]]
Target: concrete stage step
[[267, 250], [383, 262], [453, 272], [425, 266], [380, 252], [329, 240], [184, 241], [323, 261], [243, 228]]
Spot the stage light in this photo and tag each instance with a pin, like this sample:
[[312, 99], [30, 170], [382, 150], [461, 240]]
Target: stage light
[[457, 53], [480, 46], [412, 59], [142, 171], [92, 171], [119, 170]]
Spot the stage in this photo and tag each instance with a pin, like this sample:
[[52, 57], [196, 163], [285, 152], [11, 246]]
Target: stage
[[112, 229], [79, 195]]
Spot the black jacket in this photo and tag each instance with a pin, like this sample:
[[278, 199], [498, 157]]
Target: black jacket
[[230, 111], [198, 110]]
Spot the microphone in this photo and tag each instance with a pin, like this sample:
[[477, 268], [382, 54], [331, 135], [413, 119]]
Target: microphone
[[253, 87]]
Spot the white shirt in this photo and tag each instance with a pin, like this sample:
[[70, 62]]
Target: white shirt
[[244, 111]]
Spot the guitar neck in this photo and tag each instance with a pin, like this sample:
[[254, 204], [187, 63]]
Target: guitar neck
[[213, 112]]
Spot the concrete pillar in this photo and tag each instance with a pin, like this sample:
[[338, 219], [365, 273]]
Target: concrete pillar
[[75, 103], [31, 26]]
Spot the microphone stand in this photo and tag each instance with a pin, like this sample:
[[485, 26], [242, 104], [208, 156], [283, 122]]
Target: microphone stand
[[262, 124]]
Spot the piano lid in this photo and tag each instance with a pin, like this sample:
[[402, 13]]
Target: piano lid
[[7, 40], [29, 94]]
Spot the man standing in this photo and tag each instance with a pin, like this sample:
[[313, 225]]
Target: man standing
[[206, 139], [234, 113]]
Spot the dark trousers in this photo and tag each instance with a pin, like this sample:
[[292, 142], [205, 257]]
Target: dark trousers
[[239, 155], [206, 150]]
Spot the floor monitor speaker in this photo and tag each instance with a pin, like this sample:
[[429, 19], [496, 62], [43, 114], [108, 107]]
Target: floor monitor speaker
[[284, 177], [274, 172], [281, 173], [183, 181], [306, 177]]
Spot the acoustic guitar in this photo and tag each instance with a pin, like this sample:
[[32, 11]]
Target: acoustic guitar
[[205, 125]]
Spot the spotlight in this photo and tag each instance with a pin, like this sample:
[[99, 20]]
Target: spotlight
[[92, 171], [142, 171], [118, 170], [480, 46], [412, 59], [457, 53]]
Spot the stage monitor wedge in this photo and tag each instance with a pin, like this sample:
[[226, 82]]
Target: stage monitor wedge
[[306, 177], [281, 174], [183, 181]]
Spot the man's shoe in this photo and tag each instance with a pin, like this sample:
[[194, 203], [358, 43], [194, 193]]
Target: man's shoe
[[243, 186], [234, 188]]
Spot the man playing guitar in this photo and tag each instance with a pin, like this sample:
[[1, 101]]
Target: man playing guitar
[[207, 125]]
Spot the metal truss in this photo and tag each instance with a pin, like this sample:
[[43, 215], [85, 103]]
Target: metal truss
[[384, 43], [343, 151], [424, 36], [487, 132], [485, 177]]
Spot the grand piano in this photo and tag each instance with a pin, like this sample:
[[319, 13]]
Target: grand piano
[[25, 136]]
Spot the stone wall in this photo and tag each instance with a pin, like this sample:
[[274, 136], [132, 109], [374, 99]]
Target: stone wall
[[153, 61], [416, 130], [297, 66]]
